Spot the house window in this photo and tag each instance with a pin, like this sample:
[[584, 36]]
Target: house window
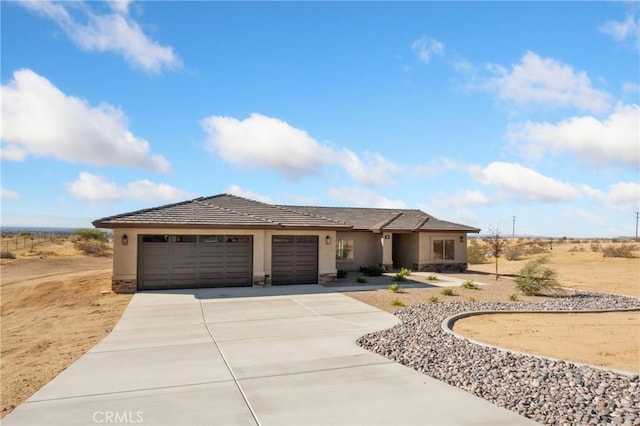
[[344, 249], [443, 250]]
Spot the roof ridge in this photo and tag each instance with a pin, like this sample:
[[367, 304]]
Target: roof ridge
[[150, 209], [378, 226]]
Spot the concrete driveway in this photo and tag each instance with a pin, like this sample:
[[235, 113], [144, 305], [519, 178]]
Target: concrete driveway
[[269, 356]]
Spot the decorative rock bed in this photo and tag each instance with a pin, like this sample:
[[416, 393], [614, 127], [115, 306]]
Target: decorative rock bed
[[548, 391]]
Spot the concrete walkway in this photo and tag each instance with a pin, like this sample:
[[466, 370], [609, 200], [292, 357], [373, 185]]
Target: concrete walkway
[[269, 356]]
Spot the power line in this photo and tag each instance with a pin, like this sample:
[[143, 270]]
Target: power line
[[637, 215], [513, 229]]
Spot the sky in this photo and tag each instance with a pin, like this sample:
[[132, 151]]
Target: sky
[[474, 112]]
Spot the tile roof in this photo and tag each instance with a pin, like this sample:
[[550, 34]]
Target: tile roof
[[228, 211]]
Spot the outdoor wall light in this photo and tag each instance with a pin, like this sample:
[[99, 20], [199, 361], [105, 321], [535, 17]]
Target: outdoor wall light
[[125, 240], [462, 238], [327, 239]]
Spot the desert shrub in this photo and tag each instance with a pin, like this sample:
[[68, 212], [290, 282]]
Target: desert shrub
[[596, 246], [535, 249], [397, 302], [627, 251], [448, 292], [535, 278], [468, 284], [513, 297], [361, 279], [513, 252], [576, 249], [92, 247], [405, 272], [91, 234], [433, 299], [432, 278], [475, 254], [372, 270], [394, 288], [472, 299], [7, 255], [400, 278], [342, 273]]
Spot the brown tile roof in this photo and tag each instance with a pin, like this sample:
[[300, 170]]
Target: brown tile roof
[[228, 211]]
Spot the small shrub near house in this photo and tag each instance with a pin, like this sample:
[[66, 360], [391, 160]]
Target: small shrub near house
[[402, 275], [624, 250], [535, 278], [361, 279], [470, 285], [397, 302], [448, 292], [91, 242], [394, 288], [372, 270]]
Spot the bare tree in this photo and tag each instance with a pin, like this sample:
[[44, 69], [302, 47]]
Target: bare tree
[[496, 245]]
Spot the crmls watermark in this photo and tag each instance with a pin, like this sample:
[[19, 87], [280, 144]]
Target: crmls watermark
[[108, 417]]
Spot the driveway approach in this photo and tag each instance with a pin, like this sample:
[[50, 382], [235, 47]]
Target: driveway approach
[[268, 356]]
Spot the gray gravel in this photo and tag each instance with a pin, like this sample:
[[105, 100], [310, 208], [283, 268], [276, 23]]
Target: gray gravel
[[547, 391]]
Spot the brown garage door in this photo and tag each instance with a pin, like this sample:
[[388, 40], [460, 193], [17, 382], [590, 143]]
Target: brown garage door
[[294, 259], [192, 261]]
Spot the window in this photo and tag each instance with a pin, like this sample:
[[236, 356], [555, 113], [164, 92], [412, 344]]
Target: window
[[443, 250], [344, 249]]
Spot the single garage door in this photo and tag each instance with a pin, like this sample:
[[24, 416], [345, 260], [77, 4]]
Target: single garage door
[[294, 259], [193, 261]]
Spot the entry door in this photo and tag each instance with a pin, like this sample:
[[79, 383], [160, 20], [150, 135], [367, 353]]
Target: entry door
[[294, 259]]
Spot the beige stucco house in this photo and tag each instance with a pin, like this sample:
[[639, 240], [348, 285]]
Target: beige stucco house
[[225, 241]]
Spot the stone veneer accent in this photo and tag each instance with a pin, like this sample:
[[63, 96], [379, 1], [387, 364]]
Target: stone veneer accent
[[387, 267], [124, 286], [440, 267], [262, 281], [327, 278]]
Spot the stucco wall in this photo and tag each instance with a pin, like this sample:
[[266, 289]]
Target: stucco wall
[[366, 250], [125, 257]]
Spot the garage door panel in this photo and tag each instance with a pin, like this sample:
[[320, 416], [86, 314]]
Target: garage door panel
[[294, 259], [193, 261]]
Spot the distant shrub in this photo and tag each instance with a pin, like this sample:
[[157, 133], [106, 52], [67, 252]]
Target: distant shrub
[[7, 255], [448, 292], [469, 285], [626, 251], [537, 279], [372, 270], [576, 249], [596, 246], [342, 273], [361, 279], [475, 254], [92, 247], [91, 234], [513, 252]]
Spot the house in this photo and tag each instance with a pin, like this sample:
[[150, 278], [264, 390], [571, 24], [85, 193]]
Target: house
[[225, 241]]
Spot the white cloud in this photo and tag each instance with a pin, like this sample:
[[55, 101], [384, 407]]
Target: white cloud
[[374, 170], [546, 81], [90, 187], [591, 218], [613, 140], [8, 195], [426, 47], [630, 87], [38, 119], [240, 192], [115, 32], [436, 168], [525, 183], [269, 143], [621, 196], [365, 198], [629, 29]]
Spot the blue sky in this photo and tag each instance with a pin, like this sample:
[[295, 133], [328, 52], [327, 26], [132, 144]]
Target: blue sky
[[474, 112]]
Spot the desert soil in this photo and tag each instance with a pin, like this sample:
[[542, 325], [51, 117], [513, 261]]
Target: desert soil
[[56, 304]]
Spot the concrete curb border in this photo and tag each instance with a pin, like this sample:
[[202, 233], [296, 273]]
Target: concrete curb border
[[448, 322]]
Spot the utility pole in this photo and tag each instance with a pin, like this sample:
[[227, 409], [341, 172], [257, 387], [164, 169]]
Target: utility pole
[[637, 215], [513, 228]]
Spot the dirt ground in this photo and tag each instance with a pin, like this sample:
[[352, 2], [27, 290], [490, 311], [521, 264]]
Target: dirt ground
[[56, 305], [53, 310]]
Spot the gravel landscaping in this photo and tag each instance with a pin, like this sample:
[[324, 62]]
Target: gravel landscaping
[[547, 391]]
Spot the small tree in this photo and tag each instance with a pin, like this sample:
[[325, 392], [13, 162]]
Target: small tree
[[495, 244], [537, 279]]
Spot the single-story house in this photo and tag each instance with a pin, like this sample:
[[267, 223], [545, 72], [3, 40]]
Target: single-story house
[[226, 240]]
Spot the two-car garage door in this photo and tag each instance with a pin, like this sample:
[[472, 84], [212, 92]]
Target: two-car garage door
[[193, 261]]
